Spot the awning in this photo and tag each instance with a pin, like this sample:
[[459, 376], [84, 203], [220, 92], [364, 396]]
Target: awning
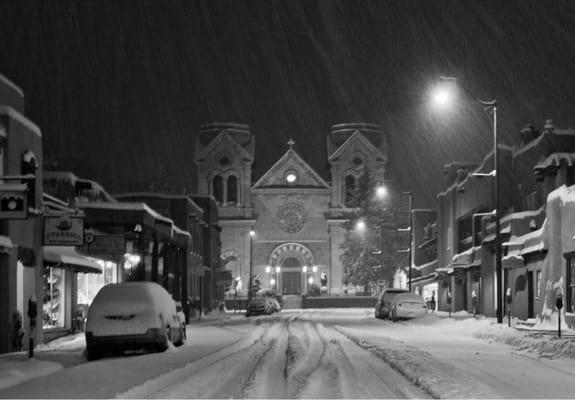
[[5, 244], [67, 257]]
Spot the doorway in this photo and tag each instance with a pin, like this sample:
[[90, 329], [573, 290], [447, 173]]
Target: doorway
[[291, 282]]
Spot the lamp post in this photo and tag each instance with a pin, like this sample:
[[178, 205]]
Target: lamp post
[[410, 230], [250, 281], [442, 98]]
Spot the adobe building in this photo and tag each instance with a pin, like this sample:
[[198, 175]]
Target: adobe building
[[20, 215], [294, 215]]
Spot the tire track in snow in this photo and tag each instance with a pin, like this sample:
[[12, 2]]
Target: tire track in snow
[[285, 358], [364, 375], [302, 361], [191, 381], [267, 380]]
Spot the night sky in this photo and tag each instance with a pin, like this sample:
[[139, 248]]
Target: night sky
[[120, 88]]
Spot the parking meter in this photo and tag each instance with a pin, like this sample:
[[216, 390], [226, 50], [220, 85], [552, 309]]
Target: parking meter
[[559, 305], [32, 313], [32, 310], [559, 301], [508, 298]]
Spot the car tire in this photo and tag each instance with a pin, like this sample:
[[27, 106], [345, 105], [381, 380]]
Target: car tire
[[92, 354], [166, 343]]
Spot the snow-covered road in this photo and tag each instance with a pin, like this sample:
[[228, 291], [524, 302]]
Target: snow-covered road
[[284, 357], [336, 353]]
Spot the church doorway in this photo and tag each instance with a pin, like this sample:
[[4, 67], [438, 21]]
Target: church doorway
[[291, 282], [291, 276]]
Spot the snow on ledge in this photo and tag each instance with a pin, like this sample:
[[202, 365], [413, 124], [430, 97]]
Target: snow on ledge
[[15, 115]]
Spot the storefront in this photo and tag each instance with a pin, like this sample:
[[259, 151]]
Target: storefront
[[63, 268]]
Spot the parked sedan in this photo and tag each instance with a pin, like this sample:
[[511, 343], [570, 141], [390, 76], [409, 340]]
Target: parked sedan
[[260, 305], [407, 306], [131, 316], [384, 300]]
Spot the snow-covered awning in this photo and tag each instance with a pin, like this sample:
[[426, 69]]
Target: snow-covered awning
[[67, 257], [445, 270], [512, 261], [5, 244], [122, 213], [426, 278]]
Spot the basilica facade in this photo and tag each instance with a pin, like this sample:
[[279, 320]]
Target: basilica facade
[[285, 227]]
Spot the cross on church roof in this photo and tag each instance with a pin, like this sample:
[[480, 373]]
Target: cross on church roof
[[290, 143]]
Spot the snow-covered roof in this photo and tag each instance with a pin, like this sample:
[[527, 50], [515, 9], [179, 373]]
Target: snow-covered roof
[[422, 266], [523, 214], [127, 206], [71, 179], [181, 231], [11, 84], [15, 115], [554, 160], [549, 129], [566, 194]]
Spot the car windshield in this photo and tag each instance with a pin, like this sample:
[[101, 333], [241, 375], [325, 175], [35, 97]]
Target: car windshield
[[408, 298]]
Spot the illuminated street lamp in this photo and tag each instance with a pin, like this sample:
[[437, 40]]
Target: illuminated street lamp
[[410, 230], [382, 192], [442, 97]]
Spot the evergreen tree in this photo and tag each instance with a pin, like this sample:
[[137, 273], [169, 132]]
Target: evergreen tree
[[362, 260]]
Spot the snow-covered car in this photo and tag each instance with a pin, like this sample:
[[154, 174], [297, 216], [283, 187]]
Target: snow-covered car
[[407, 306], [260, 305], [131, 316], [383, 302]]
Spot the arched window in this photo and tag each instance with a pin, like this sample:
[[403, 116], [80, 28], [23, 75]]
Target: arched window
[[232, 189], [350, 190], [218, 188]]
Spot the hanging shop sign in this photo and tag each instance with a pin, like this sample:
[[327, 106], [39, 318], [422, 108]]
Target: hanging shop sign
[[63, 231], [104, 244], [13, 201]]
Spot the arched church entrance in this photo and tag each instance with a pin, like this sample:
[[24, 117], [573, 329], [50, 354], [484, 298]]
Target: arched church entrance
[[292, 259]]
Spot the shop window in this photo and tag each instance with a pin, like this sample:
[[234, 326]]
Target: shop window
[[232, 189], [571, 282], [53, 308], [350, 190], [218, 188]]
